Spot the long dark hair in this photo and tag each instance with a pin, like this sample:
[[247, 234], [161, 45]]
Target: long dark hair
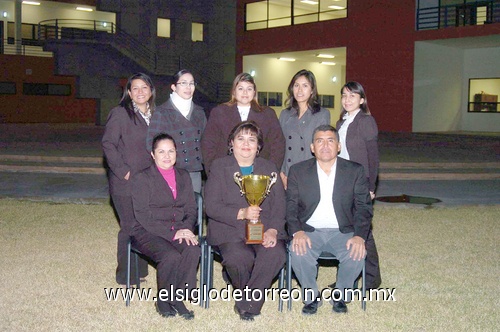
[[313, 101], [126, 101], [355, 87], [245, 77]]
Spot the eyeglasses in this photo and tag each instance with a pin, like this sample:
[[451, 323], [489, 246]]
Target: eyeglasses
[[185, 84]]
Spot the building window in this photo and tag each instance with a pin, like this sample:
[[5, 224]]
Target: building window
[[270, 98], [483, 95], [276, 13], [7, 88], [44, 89], [196, 32], [327, 101], [163, 27]]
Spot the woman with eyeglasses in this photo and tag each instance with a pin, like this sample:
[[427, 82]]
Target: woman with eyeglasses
[[185, 121], [243, 106]]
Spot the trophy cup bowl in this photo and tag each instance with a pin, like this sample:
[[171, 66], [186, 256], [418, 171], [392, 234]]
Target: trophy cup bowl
[[255, 188]]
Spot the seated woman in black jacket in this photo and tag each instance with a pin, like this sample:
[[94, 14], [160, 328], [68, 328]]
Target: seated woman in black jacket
[[165, 209]]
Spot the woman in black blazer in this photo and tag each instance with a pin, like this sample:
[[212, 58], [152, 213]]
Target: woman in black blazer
[[247, 265], [359, 142], [165, 210], [124, 146]]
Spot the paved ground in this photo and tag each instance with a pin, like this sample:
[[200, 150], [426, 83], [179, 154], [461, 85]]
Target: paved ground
[[64, 163]]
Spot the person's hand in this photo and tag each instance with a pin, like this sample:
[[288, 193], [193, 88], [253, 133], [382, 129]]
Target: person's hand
[[372, 195], [356, 247], [186, 235], [127, 176], [300, 243], [251, 213], [284, 179], [270, 238]]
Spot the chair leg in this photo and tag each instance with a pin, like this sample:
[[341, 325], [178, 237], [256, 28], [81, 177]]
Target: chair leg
[[129, 248], [363, 289], [136, 260], [209, 272], [281, 282], [202, 274], [289, 277]]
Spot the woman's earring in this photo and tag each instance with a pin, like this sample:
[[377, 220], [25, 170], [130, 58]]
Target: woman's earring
[[231, 150], [258, 151]]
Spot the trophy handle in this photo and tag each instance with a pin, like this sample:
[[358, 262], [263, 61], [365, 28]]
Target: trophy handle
[[239, 181], [273, 178]]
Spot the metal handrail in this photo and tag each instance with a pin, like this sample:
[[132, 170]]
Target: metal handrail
[[129, 46], [460, 14]]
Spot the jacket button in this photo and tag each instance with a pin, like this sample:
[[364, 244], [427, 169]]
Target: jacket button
[[186, 160], [185, 151], [182, 133], [289, 148]]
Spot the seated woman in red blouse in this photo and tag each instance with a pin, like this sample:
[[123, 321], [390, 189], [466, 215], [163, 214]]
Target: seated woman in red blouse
[[165, 210]]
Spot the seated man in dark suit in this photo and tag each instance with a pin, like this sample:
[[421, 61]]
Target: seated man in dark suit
[[328, 209]]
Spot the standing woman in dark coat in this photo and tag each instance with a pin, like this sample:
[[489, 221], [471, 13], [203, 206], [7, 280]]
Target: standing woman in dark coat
[[243, 106], [124, 147], [359, 142], [300, 118], [185, 121], [165, 211]]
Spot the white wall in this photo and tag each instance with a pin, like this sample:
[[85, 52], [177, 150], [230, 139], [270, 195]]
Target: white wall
[[437, 88], [273, 75], [480, 63]]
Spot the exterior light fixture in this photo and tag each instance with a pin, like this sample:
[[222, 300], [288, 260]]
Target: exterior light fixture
[[326, 56], [334, 79], [33, 3], [4, 14], [309, 2], [252, 73], [286, 59], [328, 63], [336, 7], [85, 9]]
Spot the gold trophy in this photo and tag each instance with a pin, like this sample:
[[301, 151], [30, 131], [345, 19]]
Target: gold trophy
[[255, 188]]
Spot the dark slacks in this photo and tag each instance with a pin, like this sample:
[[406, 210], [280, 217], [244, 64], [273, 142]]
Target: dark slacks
[[125, 211], [372, 269], [252, 266], [176, 264]]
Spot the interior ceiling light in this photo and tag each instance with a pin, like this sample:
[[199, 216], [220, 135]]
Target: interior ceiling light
[[84, 9], [33, 3], [309, 2], [328, 63], [326, 56], [336, 7], [286, 59]]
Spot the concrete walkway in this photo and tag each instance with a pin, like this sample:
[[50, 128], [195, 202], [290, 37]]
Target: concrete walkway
[[64, 163]]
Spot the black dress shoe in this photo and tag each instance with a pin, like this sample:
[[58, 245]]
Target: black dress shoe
[[311, 308], [181, 309], [244, 315], [339, 307], [167, 313]]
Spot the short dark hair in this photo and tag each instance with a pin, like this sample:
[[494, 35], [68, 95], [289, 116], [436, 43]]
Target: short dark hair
[[247, 126], [326, 128], [161, 137]]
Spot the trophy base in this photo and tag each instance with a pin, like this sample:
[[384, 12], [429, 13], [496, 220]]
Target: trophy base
[[255, 232]]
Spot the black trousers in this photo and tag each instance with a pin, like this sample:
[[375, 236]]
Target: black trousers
[[372, 269], [125, 211], [176, 265], [252, 266]]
